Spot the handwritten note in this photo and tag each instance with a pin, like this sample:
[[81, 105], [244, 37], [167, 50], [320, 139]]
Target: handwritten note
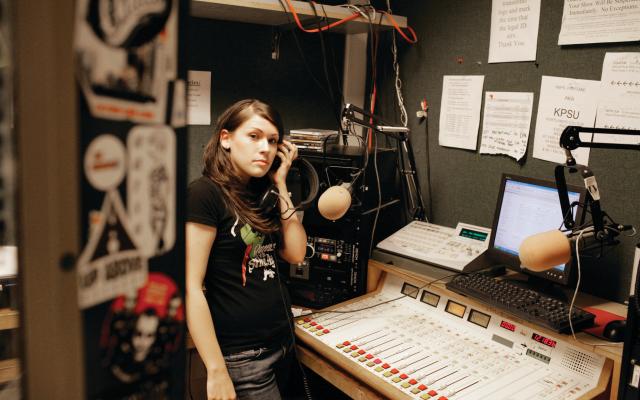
[[514, 30], [563, 102], [506, 122], [460, 111], [599, 21]]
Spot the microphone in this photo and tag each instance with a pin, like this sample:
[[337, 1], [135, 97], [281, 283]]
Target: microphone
[[545, 250], [335, 201]]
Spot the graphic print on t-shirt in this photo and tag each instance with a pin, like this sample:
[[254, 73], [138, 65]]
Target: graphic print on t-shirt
[[256, 254]]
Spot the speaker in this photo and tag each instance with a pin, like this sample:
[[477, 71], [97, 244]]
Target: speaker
[[335, 266]]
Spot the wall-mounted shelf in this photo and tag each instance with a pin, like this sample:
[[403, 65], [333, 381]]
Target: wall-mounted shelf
[[270, 12]]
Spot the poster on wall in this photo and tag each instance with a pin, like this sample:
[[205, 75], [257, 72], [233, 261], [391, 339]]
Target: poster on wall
[[460, 111], [505, 124], [151, 188], [599, 21], [126, 57], [563, 102], [514, 30], [110, 264], [619, 105], [132, 102], [139, 337], [199, 98]]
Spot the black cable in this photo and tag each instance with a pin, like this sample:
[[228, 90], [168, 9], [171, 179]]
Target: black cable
[[305, 380], [636, 294], [428, 157], [304, 60], [333, 64], [189, 375], [403, 189], [323, 50], [378, 192]]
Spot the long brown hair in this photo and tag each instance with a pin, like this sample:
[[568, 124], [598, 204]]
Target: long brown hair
[[242, 199]]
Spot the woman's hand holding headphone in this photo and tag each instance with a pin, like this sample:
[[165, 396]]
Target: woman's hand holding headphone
[[287, 152]]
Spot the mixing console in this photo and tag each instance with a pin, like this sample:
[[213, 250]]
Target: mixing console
[[415, 343]]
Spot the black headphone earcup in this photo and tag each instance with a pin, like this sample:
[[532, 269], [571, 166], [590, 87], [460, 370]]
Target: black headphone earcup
[[308, 171], [269, 200]]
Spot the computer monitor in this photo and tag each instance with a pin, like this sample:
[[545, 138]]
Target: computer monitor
[[527, 206]]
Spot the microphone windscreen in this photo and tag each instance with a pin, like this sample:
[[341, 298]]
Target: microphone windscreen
[[334, 202], [544, 251]]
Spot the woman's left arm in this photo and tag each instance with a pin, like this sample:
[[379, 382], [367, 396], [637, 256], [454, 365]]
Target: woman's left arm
[[294, 237]]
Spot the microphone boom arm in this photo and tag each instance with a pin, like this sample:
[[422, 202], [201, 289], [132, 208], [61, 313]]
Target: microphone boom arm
[[400, 133], [570, 140]]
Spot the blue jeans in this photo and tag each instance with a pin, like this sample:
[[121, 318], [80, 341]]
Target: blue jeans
[[257, 373]]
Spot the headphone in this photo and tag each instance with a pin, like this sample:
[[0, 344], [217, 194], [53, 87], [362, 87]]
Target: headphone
[[269, 199]]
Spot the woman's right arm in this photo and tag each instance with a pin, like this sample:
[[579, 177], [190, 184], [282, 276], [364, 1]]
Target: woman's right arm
[[199, 239]]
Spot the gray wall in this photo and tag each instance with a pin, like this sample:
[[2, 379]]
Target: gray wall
[[465, 183], [239, 56]]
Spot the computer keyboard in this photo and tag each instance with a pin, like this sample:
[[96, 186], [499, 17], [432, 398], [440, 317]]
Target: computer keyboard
[[527, 304]]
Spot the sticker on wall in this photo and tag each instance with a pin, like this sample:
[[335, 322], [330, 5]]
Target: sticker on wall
[[141, 334], [126, 51], [151, 188], [110, 264], [105, 162]]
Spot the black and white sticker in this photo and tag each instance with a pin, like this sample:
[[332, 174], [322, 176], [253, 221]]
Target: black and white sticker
[[110, 264], [151, 188]]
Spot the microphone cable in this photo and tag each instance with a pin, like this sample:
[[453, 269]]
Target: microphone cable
[[575, 294]]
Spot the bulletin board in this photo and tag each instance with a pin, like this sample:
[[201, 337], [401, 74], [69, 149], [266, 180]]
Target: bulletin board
[[454, 40]]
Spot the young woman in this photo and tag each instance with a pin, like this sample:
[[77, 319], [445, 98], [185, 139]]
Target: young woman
[[236, 309]]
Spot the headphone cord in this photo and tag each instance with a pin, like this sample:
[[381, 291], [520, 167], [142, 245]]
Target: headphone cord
[[305, 380]]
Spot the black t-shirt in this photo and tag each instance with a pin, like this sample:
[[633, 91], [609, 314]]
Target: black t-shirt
[[242, 289]]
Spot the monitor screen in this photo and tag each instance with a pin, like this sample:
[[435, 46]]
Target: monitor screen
[[527, 206]]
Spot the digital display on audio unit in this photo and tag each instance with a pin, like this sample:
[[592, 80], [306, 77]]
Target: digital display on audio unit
[[508, 326], [456, 309], [544, 340], [478, 318], [410, 290], [429, 298], [471, 234]]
